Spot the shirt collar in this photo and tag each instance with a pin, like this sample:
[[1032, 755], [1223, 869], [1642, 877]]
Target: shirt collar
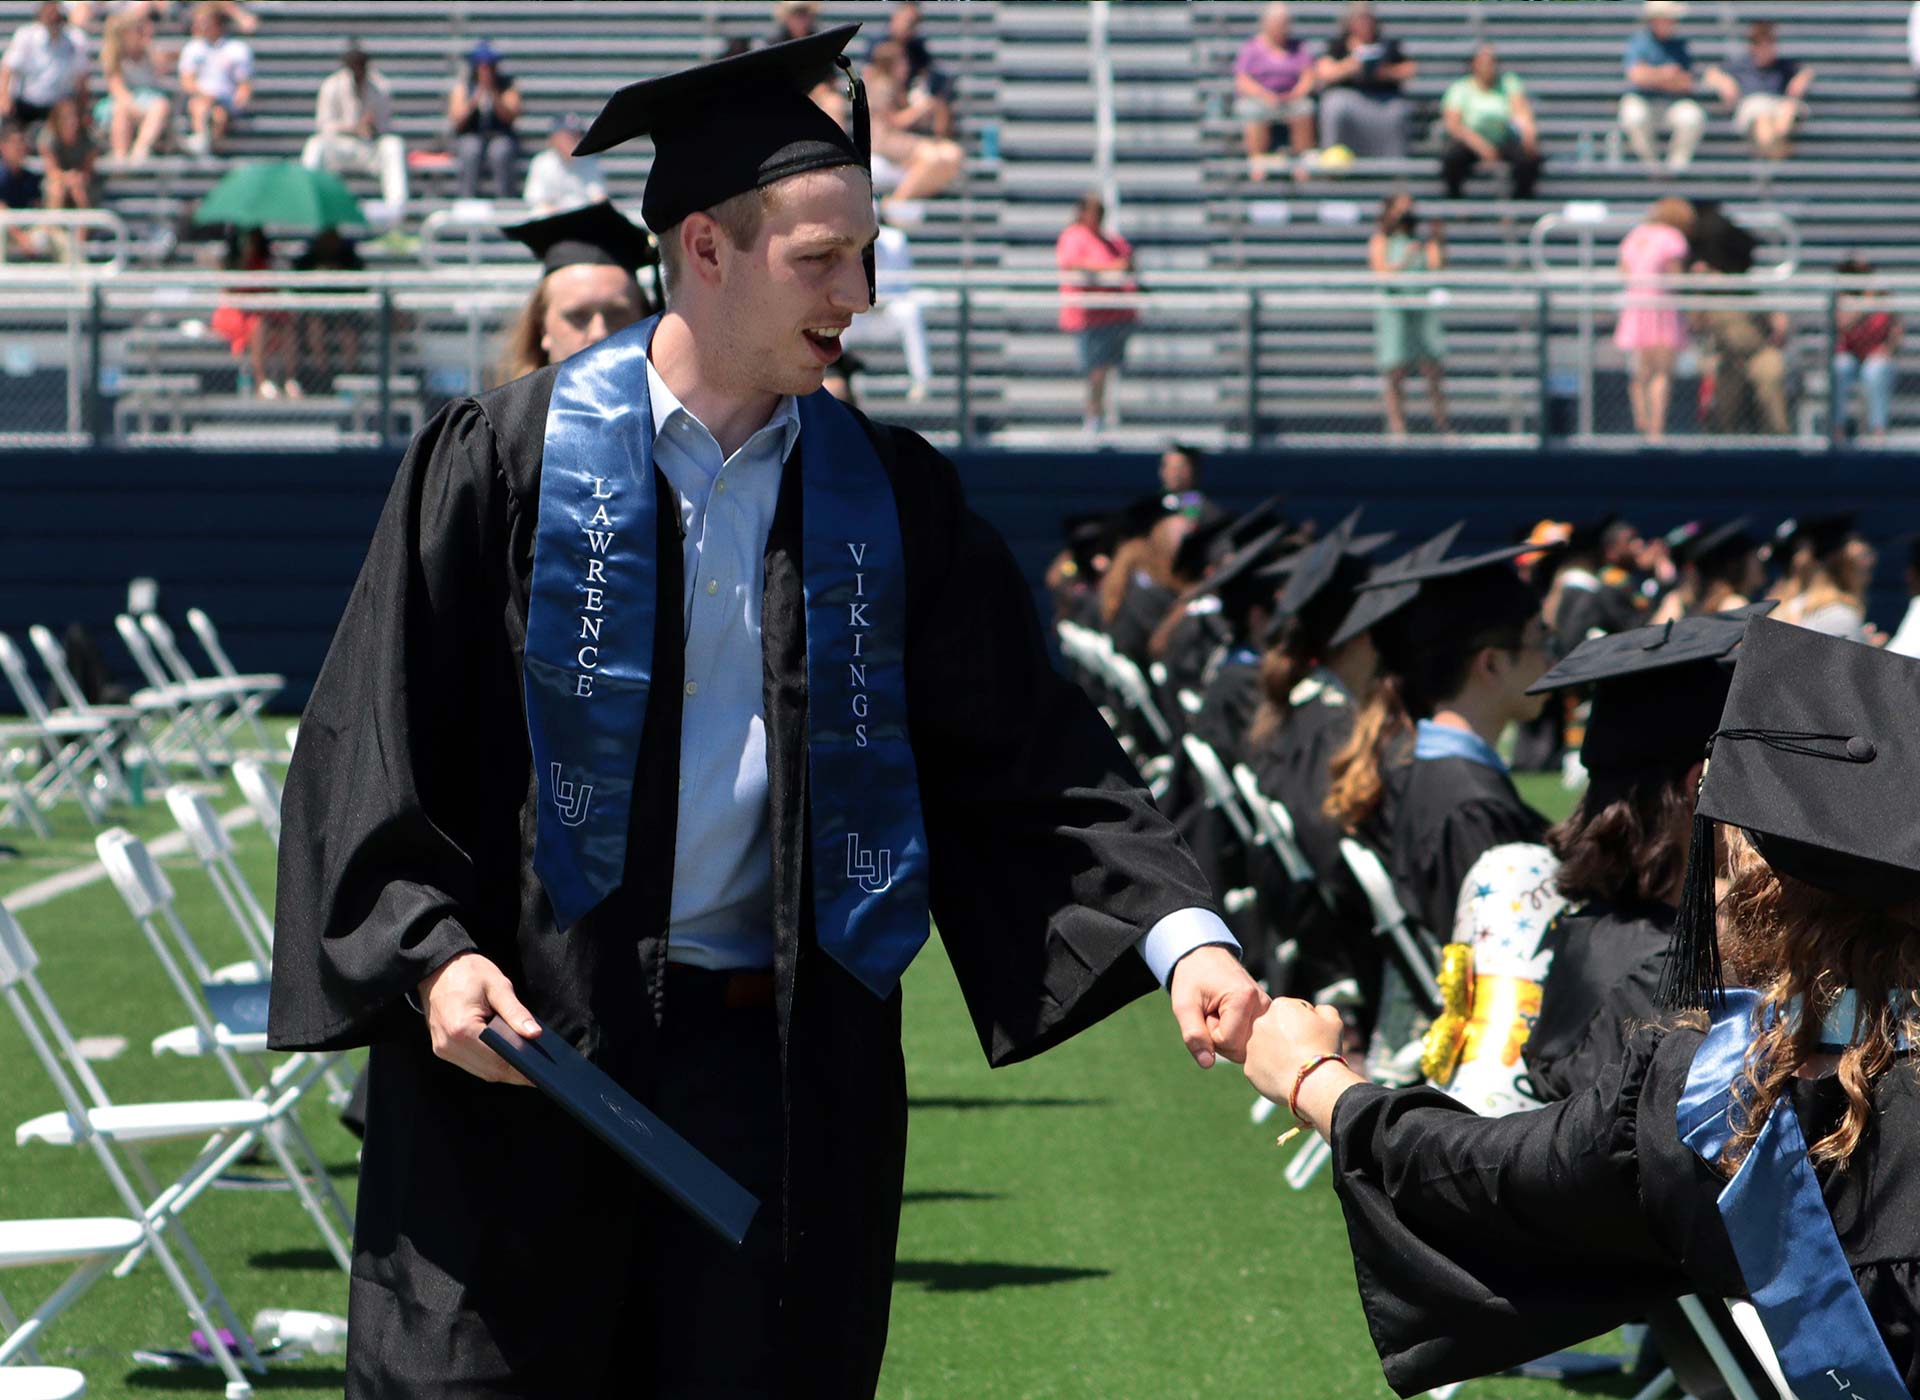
[[785, 418]]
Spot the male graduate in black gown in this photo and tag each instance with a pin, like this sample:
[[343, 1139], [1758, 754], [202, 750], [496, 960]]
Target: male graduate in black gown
[[672, 700]]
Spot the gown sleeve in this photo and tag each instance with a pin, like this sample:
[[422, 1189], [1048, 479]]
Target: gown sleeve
[[1049, 859], [1480, 1243], [376, 888]]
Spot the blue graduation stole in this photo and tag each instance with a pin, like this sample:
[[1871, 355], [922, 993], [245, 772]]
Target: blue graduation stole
[[589, 657], [1444, 741], [1781, 1231]]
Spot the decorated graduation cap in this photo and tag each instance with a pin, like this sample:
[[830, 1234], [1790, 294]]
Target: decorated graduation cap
[[1815, 757], [594, 234], [1657, 691], [738, 124]]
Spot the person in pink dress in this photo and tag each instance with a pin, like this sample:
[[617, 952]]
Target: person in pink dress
[[1093, 259], [1651, 329]]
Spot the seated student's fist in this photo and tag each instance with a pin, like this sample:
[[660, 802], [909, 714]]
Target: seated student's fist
[[459, 998], [1291, 1033]]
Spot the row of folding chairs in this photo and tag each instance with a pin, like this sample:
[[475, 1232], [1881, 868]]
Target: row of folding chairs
[[78, 750], [225, 1013]]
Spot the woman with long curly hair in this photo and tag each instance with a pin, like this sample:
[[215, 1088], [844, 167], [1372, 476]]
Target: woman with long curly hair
[[1762, 1142], [1657, 697]]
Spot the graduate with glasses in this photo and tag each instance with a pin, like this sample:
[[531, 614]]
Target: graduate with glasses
[[674, 701], [1762, 1141]]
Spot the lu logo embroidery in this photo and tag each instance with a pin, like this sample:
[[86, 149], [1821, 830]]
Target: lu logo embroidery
[[570, 799], [871, 870]]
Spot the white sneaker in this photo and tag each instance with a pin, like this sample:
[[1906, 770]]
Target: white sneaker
[[268, 389], [293, 390]]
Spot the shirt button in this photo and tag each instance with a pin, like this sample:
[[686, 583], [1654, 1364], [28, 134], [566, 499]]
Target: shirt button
[[693, 687], [713, 586], [720, 486]]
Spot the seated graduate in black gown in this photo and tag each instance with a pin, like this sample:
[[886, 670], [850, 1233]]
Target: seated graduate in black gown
[[1311, 689], [1246, 586], [1766, 1145], [1460, 640], [1658, 693], [1193, 631], [1141, 586]]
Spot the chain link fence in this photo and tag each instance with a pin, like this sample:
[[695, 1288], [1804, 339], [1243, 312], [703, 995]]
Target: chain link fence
[[319, 359]]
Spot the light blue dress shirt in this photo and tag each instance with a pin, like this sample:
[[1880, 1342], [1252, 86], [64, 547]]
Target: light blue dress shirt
[[722, 910]]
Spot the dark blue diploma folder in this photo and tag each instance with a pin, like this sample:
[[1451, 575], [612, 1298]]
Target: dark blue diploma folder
[[629, 1127]]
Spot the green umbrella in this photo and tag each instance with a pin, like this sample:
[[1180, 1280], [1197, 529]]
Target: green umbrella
[[280, 194]]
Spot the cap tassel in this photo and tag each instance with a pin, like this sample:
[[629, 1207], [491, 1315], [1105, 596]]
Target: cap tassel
[[862, 122], [1693, 979]]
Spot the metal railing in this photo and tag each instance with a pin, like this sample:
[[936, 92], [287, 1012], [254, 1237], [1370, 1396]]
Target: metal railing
[[98, 357]]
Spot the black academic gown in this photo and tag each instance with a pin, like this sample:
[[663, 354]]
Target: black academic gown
[[1450, 812], [493, 1237], [1143, 607], [1334, 926], [1481, 1243], [1227, 706], [1601, 986]]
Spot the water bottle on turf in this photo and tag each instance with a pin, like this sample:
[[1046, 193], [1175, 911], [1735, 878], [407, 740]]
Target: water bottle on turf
[[317, 1333]]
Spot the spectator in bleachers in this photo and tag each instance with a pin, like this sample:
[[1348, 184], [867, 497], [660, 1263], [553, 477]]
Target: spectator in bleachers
[[1273, 79], [216, 73], [558, 179], [45, 61], [1748, 368], [482, 108], [1866, 341], [925, 78], [898, 314], [135, 110], [67, 155], [906, 164], [1659, 70], [1489, 122], [331, 338], [20, 188], [1765, 92], [1361, 76], [353, 128], [1180, 468], [1406, 327], [794, 19], [1098, 260], [264, 339], [1651, 329]]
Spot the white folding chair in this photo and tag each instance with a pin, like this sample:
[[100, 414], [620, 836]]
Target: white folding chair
[[92, 1245], [75, 746], [1754, 1332], [89, 1118], [1391, 922], [1276, 825], [148, 895], [132, 722], [247, 694], [186, 708], [262, 794], [18, 743]]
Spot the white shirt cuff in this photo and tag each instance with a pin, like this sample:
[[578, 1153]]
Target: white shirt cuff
[[1179, 934]]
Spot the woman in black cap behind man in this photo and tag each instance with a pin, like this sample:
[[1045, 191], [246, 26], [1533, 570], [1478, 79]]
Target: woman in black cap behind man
[[1763, 1142], [589, 285]]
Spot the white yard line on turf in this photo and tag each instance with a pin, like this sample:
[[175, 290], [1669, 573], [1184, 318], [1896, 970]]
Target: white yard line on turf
[[67, 881]]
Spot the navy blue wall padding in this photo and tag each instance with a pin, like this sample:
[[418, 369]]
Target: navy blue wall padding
[[269, 544]]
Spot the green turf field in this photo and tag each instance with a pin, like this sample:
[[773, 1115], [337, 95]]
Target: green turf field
[[1105, 1222]]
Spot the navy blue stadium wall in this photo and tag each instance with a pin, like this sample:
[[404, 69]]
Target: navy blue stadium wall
[[269, 545]]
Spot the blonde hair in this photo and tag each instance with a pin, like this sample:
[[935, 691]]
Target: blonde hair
[[113, 44], [1800, 946], [522, 352], [1674, 212]]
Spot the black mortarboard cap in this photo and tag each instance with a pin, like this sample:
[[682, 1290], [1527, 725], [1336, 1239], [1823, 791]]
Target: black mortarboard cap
[[1142, 513], [596, 234], [1239, 578], [1088, 533], [1658, 691], [1206, 543], [1386, 593], [1321, 583], [734, 125], [1711, 549], [1825, 533], [1815, 757], [1587, 536], [1255, 522]]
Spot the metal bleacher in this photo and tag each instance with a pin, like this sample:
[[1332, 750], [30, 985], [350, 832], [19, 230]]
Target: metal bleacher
[[1032, 77]]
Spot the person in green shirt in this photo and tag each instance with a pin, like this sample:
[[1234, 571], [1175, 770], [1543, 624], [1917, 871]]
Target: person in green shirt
[[1489, 122]]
